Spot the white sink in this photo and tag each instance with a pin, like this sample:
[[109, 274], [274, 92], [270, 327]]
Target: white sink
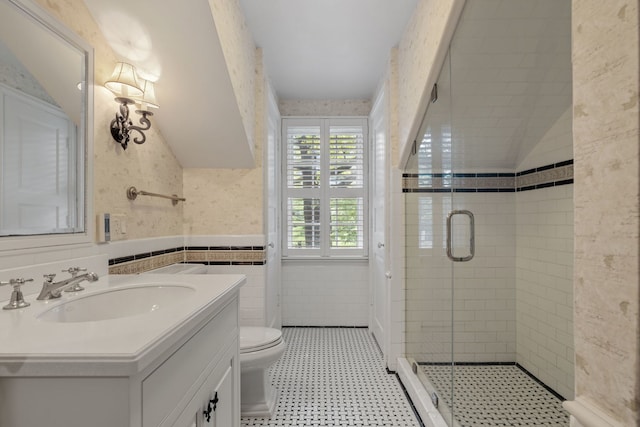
[[117, 303]]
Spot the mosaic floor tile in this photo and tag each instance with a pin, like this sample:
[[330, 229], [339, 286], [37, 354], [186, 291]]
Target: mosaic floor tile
[[496, 395], [335, 377]]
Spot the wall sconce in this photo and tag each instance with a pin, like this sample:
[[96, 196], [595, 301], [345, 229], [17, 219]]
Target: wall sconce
[[130, 89]]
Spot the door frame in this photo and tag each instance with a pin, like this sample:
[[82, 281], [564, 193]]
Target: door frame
[[380, 328]]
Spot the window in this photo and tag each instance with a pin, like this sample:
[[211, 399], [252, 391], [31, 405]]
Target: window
[[324, 188]]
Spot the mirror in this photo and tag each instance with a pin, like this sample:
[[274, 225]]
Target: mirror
[[45, 92]]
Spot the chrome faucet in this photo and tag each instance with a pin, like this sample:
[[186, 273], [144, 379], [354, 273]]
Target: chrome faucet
[[73, 271], [51, 289]]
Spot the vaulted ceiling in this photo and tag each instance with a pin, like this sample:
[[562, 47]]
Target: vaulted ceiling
[[333, 49]]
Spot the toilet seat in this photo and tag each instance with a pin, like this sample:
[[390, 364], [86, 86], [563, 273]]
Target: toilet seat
[[255, 338]]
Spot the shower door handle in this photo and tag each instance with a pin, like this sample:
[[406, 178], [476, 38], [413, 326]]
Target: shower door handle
[[472, 236]]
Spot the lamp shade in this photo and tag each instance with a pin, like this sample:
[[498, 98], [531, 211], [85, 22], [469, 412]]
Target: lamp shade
[[148, 98], [124, 81]]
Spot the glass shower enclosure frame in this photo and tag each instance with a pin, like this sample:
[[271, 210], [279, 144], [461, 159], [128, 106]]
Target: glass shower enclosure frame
[[466, 290]]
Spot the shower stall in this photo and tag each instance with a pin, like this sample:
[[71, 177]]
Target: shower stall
[[489, 221]]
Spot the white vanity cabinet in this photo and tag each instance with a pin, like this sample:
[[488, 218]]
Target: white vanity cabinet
[[215, 404], [170, 384], [206, 367]]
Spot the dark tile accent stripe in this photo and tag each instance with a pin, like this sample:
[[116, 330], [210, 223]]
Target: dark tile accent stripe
[[564, 182], [565, 163], [134, 257], [468, 363], [324, 327], [459, 190], [208, 255], [121, 260], [551, 175], [234, 262], [533, 377]]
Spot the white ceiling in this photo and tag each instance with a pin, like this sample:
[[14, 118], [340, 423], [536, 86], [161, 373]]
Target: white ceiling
[[329, 49]]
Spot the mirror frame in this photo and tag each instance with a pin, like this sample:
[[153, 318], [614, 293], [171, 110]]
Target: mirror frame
[[34, 11]]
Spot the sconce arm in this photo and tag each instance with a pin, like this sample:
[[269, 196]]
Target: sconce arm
[[122, 126]]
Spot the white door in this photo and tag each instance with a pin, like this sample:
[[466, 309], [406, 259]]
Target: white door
[[378, 260], [272, 194]]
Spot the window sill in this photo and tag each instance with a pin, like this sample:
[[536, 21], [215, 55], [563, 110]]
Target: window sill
[[295, 259]]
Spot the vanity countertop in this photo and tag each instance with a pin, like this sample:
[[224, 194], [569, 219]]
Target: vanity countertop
[[123, 346]]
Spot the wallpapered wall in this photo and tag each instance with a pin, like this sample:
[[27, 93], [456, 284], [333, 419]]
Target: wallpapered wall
[[230, 201], [151, 166], [216, 199], [606, 279]]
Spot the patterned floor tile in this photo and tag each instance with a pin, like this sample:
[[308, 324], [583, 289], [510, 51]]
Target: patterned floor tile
[[335, 377], [496, 395]]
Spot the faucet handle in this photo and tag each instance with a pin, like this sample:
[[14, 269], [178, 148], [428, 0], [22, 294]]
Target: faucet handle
[[74, 271], [49, 277], [17, 299], [16, 282]]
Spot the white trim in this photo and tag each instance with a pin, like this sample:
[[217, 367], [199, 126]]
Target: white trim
[[63, 242], [324, 193], [588, 414]]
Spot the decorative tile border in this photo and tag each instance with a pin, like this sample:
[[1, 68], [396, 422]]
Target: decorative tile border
[[226, 255], [208, 255], [552, 175], [460, 182]]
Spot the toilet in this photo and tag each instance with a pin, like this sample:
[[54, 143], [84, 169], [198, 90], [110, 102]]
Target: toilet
[[260, 347]]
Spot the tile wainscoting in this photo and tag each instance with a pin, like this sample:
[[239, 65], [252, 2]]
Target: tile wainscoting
[[207, 255], [223, 254]]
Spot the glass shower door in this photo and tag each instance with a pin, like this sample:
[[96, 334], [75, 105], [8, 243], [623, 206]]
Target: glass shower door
[[429, 294]]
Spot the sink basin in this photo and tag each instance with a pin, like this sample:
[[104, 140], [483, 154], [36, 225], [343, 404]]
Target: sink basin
[[117, 303]]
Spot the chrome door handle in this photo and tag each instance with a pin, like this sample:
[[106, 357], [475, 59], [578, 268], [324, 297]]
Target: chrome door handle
[[271, 245], [387, 275], [472, 238], [380, 245]]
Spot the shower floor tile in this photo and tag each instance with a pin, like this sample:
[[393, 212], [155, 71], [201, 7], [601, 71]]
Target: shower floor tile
[[496, 395], [335, 377]]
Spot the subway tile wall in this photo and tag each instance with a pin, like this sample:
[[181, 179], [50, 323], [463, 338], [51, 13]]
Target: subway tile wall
[[544, 286], [514, 300], [317, 293], [484, 293]]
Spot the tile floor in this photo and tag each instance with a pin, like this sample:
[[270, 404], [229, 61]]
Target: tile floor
[[335, 377], [497, 396]]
